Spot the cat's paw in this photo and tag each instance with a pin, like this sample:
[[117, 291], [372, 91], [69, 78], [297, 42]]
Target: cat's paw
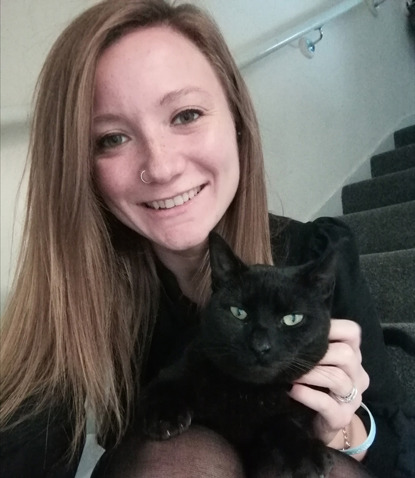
[[162, 426], [164, 409]]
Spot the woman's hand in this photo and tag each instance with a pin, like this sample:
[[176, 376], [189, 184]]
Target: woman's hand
[[339, 371]]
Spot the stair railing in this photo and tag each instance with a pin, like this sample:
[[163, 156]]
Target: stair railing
[[19, 115], [301, 32]]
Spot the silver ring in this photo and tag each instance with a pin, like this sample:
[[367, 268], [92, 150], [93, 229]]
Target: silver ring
[[346, 398], [142, 177]]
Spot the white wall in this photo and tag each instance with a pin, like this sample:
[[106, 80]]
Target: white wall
[[320, 119], [28, 30]]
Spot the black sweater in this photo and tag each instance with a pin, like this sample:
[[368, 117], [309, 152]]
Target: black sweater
[[37, 447]]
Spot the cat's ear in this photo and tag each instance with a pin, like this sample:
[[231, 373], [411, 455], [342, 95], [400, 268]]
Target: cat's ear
[[223, 262], [321, 274]]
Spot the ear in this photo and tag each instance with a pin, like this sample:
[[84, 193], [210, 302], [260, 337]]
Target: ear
[[321, 274], [223, 262]]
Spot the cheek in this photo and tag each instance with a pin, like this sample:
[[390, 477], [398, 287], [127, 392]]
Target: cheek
[[229, 165], [111, 190], [105, 181], [225, 152], [112, 179]]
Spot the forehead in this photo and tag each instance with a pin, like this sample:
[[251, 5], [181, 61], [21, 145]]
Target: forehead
[[155, 58]]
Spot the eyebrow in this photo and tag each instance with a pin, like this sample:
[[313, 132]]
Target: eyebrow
[[175, 94], [106, 117], [169, 97]]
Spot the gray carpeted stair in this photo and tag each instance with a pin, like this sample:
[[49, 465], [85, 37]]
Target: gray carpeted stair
[[381, 213], [391, 278], [384, 229], [393, 188], [404, 136], [393, 161], [404, 363]]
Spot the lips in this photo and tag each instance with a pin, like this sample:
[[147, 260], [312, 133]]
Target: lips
[[178, 200]]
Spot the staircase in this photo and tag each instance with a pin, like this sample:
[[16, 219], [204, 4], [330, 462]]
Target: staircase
[[381, 213]]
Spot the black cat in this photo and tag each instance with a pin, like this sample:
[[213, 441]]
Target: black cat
[[263, 328]]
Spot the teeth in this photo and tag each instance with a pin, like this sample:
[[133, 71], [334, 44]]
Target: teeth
[[176, 201]]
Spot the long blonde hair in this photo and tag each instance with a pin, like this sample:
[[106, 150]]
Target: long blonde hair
[[78, 321]]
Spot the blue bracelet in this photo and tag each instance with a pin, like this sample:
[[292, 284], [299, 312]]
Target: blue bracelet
[[369, 440]]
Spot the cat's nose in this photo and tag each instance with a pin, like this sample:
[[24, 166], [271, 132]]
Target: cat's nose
[[260, 342]]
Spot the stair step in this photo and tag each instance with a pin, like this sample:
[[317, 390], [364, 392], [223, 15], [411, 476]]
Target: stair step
[[393, 161], [379, 192], [403, 363], [404, 136], [384, 229], [391, 280]]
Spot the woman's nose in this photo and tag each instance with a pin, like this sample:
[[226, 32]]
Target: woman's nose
[[163, 161]]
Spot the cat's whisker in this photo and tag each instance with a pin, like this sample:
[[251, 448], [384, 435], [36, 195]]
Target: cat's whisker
[[323, 372], [300, 366], [305, 366], [298, 369]]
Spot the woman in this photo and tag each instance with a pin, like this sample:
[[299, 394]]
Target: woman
[[144, 139]]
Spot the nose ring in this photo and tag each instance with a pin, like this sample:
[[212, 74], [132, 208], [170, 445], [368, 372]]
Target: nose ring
[[142, 177]]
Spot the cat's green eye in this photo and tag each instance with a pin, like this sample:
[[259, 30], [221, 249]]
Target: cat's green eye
[[239, 313], [292, 319]]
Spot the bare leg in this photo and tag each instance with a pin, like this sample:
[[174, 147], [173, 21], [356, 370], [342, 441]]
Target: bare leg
[[197, 453]]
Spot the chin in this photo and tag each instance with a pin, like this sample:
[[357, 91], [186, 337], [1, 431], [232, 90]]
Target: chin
[[184, 238], [183, 244]]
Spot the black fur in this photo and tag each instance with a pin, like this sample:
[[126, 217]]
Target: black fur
[[234, 376]]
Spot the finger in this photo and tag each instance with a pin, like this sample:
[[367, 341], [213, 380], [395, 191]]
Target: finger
[[336, 415], [334, 379], [342, 355], [337, 380], [346, 331]]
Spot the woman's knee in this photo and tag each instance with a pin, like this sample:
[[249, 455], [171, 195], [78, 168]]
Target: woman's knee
[[198, 452]]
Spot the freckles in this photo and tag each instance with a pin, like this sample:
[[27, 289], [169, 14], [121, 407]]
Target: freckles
[[117, 184]]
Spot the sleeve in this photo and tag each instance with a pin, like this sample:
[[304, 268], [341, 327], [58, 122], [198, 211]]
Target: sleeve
[[392, 454], [38, 447]]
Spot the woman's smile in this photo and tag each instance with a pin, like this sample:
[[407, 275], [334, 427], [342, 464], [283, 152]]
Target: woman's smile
[[164, 111], [175, 201]]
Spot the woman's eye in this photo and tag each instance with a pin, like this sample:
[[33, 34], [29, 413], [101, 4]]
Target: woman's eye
[[110, 141], [292, 319], [239, 313], [186, 116]]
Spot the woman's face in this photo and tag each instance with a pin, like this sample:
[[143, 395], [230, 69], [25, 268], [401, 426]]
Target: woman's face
[[159, 107]]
